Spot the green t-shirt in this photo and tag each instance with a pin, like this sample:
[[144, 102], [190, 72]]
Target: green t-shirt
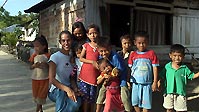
[[175, 80]]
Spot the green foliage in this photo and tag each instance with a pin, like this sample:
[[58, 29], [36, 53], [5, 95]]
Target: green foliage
[[9, 38], [25, 20]]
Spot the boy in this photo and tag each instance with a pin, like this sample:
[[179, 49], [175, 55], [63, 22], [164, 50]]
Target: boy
[[175, 75], [126, 46], [144, 73], [126, 49], [105, 51]]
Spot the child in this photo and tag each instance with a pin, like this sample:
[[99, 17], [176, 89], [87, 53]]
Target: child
[[79, 37], [112, 84], [89, 72], [105, 51], [61, 91], [39, 65], [175, 75], [126, 49], [144, 73], [79, 33], [126, 46], [78, 64]]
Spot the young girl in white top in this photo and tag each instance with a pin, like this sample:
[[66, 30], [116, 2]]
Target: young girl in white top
[[39, 65]]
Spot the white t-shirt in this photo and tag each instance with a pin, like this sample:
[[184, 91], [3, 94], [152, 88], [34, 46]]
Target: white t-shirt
[[63, 68], [79, 65]]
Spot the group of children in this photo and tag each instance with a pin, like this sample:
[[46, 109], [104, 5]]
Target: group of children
[[88, 73]]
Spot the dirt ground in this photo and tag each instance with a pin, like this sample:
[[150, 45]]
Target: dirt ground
[[192, 96]]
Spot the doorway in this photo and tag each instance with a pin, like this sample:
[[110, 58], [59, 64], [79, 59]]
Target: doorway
[[119, 22]]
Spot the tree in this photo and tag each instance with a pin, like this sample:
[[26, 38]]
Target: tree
[[25, 20], [9, 38]]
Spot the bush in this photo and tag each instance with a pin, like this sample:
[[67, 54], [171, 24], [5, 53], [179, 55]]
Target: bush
[[9, 39]]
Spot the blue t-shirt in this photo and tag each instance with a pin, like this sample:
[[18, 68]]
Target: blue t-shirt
[[117, 61]]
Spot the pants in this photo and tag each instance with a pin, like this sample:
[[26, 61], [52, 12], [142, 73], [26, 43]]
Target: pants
[[62, 102]]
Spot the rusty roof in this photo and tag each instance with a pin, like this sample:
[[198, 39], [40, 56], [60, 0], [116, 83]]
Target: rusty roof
[[41, 6]]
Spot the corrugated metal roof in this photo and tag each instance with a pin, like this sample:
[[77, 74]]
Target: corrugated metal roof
[[41, 6]]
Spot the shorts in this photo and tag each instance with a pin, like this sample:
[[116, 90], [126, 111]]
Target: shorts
[[125, 96], [40, 90], [142, 95], [176, 102], [89, 92], [101, 95]]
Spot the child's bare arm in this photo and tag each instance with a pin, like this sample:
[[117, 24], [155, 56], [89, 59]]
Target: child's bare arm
[[196, 75], [83, 59], [33, 65], [155, 78], [100, 80]]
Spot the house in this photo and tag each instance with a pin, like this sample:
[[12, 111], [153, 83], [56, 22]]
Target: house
[[26, 36], [167, 21]]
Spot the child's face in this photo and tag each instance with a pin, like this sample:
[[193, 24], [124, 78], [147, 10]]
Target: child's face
[[141, 43], [104, 51], [176, 57], [78, 53], [38, 47], [78, 33], [126, 44], [105, 67], [92, 34], [65, 41]]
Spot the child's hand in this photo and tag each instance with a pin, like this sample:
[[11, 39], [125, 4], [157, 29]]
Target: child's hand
[[41, 65], [154, 86], [95, 64], [107, 77], [159, 85], [129, 85]]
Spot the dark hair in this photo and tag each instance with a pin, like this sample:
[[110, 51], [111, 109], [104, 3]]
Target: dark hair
[[100, 61], [103, 41], [96, 27], [65, 32], [81, 26], [127, 36], [141, 34], [42, 40], [178, 48], [79, 46]]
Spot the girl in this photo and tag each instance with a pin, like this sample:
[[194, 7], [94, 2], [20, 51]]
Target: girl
[[88, 74], [61, 91], [79, 37], [109, 77], [79, 33], [39, 65]]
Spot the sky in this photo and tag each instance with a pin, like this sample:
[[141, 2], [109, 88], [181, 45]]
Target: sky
[[14, 6]]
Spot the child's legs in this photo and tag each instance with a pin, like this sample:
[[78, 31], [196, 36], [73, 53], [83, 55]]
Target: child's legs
[[39, 108], [101, 95], [137, 109], [125, 96], [40, 90], [113, 101], [168, 102], [147, 97], [180, 103], [100, 98], [89, 96], [134, 95], [141, 96], [35, 88]]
